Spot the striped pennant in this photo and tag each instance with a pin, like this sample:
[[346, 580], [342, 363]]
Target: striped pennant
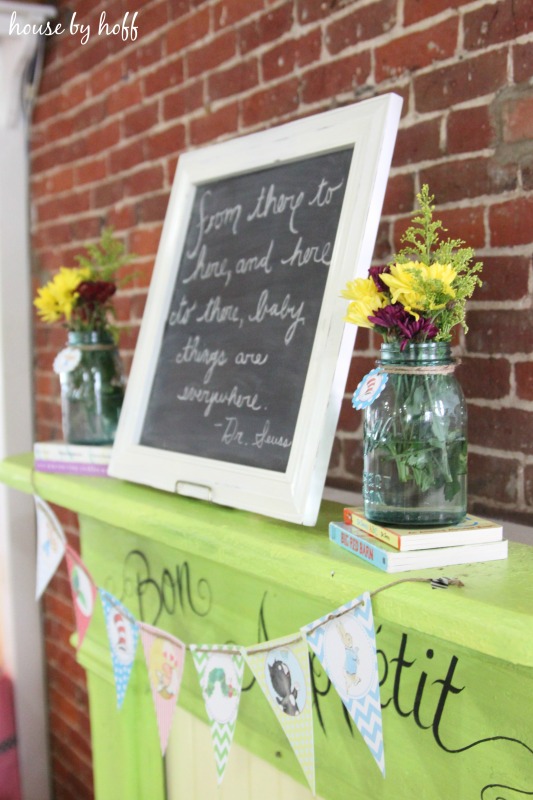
[[344, 642], [123, 635], [281, 668], [220, 671]]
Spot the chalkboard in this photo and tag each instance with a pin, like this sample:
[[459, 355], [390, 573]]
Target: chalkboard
[[242, 358], [242, 321]]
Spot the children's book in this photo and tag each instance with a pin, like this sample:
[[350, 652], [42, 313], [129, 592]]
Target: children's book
[[389, 559], [72, 459], [471, 530]]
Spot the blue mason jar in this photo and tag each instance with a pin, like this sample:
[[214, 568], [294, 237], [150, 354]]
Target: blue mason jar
[[92, 388], [415, 440]]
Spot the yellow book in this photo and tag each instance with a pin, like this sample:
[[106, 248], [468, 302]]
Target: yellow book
[[471, 530]]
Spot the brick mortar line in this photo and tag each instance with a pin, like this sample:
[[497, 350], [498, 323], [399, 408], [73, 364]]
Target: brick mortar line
[[511, 358], [515, 455], [498, 505], [507, 402], [477, 155], [523, 304], [469, 202]]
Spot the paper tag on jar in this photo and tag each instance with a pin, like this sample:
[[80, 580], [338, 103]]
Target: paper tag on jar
[[369, 388], [67, 360]]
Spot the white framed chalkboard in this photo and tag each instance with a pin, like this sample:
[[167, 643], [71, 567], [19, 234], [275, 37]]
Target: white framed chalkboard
[[242, 358]]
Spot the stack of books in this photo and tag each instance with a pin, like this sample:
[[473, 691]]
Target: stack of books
[[401, 549], [72, 459]]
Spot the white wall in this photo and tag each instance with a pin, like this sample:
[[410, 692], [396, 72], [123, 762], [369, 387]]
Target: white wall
[[20, 614]]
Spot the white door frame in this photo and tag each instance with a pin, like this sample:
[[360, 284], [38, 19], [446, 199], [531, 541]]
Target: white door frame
[[20, 619]]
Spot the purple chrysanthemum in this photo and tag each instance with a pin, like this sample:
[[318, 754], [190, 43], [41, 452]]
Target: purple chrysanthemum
[[416, 327], [407, 327], [375, 273], [390, 316]]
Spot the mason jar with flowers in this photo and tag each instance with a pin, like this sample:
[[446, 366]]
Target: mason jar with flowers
[[415, 416], [89, 367]]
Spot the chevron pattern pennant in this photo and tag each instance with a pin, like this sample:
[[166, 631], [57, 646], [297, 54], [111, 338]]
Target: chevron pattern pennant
[[165, 658], [345, 644], [51, 545], [281, 668], [83, 592], [220, 670], [123, 635]]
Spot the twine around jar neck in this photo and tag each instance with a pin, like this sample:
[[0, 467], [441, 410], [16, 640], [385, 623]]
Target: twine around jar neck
[[86, 347], [442, 369], [91, 341]]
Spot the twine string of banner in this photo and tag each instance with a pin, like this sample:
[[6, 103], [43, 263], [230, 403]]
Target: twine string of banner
[[435, 583], [264, 648], [204, 648]]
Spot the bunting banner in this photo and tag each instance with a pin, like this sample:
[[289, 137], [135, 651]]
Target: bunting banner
[[51, 545], [344, 641], [123, 634], [281, 668], [220, 670], [83, 592], [165, 659], [345, 644]]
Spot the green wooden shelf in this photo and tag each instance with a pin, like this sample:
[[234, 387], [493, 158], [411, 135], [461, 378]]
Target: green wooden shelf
[[493, 613], [455, 665]]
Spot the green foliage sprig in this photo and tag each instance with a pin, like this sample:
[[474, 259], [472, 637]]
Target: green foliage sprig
[[422, 240], [421, 294], [106, 257]]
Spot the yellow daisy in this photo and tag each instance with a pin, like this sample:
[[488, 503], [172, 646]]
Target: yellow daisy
[[415, 285], [365, 300], [57, 299]]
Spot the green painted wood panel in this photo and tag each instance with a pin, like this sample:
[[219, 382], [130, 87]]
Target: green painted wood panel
[[191, 769], [456, 666], [439, 697]]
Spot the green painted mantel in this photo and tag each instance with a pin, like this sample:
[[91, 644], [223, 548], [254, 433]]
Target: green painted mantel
[[456, 665]]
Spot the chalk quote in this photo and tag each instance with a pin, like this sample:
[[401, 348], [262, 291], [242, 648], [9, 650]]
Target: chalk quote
[[243, 316]]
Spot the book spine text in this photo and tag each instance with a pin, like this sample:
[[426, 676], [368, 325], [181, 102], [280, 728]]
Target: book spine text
[[358, 547], [383, 534]]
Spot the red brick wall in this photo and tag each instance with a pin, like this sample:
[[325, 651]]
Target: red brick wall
[[68, 716], [114, 115]]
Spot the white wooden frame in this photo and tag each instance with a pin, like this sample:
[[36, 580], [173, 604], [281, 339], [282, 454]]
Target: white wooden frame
[[295, 495]]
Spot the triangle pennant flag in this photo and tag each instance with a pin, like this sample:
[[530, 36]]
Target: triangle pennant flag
[[83, 592], [165, 658], [51, 545], [123, 634], [281, 668], [345, 644], [220, 670]]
